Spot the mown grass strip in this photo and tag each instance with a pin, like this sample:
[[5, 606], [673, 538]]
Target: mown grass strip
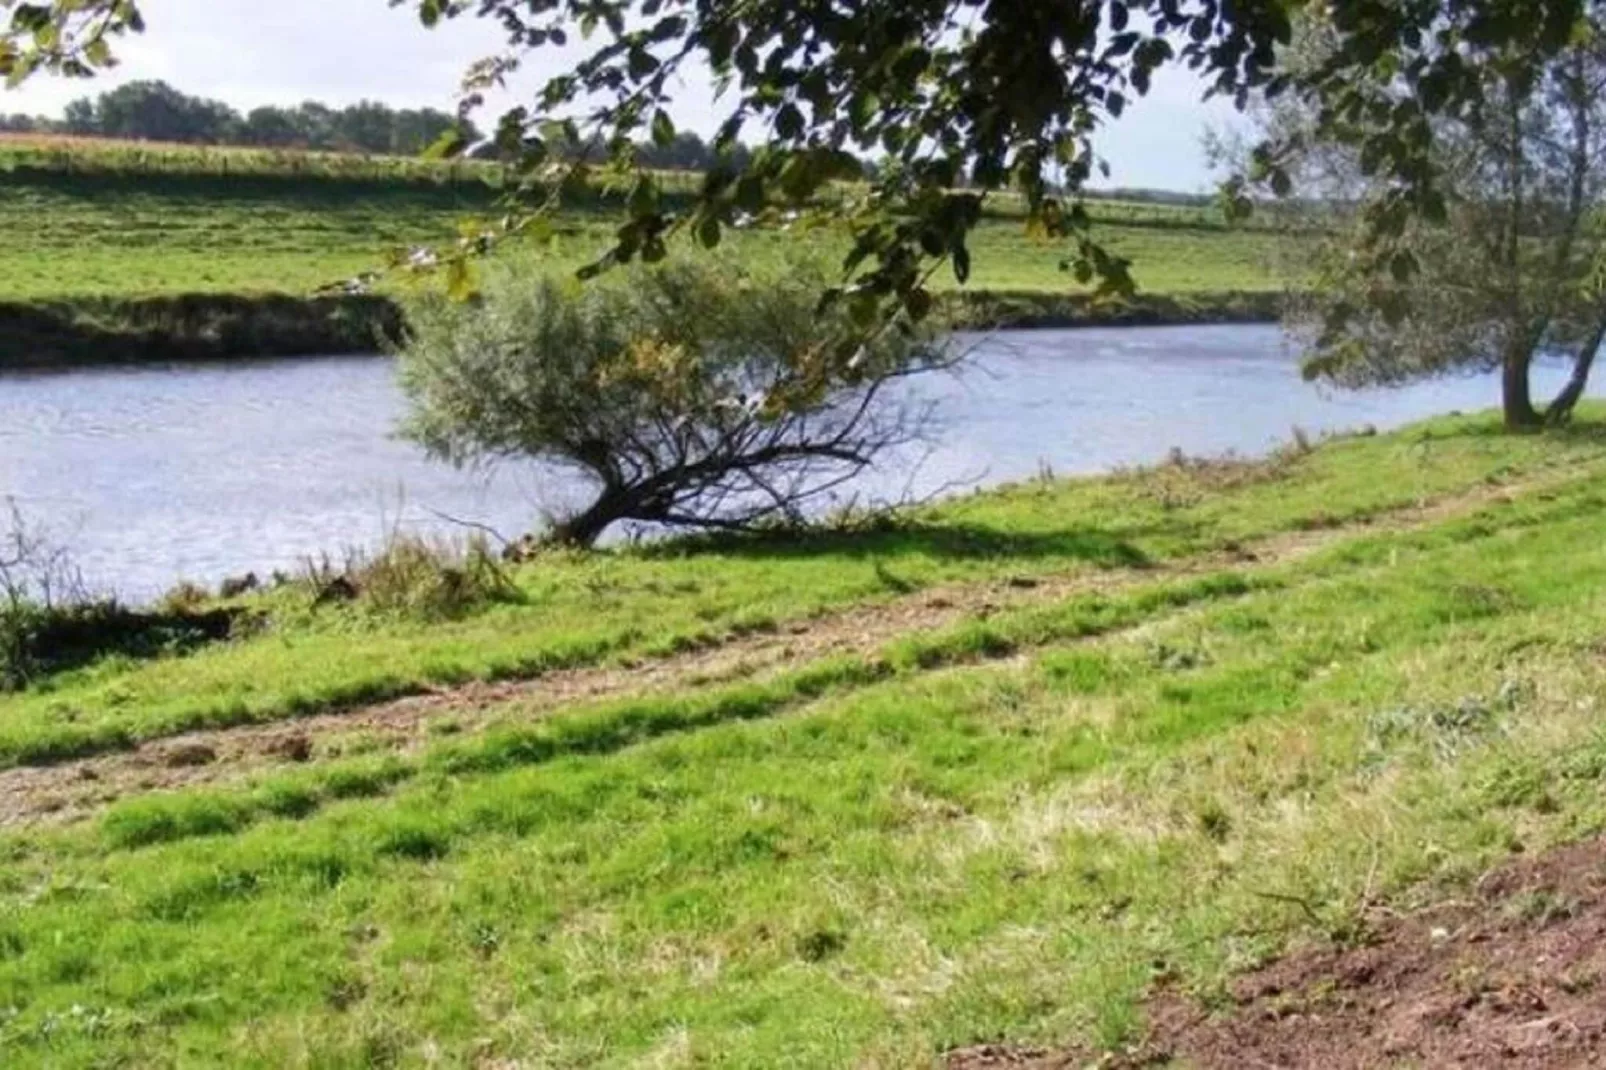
[[69, 742], [617, 725]]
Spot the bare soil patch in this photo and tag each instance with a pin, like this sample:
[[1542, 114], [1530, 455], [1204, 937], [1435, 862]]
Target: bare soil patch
[[1512, 975]]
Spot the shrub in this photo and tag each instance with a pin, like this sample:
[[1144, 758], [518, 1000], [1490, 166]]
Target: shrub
[[38, 588], [683, 394]]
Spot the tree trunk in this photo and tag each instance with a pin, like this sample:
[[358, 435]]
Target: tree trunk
[[1516, 397], [584, 528], [1561, 409]]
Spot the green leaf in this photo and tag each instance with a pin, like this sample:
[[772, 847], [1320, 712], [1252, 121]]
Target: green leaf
[[962, 264], [644, 197], [448, 145], [462, 280], [663, 129], [708, 232], [789, 122], [1403, 266]]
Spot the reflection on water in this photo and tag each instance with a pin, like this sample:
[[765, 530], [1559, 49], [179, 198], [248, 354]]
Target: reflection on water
[[153, 474]]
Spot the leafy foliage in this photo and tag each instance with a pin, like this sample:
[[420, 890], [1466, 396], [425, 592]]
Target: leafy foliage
[[957, 101], [941, 95], [1393, 70], [67, 37]]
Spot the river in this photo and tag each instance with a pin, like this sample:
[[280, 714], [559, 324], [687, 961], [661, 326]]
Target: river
[[151, 474]]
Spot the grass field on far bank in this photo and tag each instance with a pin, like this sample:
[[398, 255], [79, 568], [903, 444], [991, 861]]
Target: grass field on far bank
[[122, 251], [143, 235], [1172, 721]]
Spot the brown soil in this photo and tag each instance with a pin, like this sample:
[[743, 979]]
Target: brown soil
[[1513, 975], [36, 794]]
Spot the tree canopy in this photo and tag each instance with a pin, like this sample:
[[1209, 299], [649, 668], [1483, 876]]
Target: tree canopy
[[1006, 94], [652, 387], [1509, 266]]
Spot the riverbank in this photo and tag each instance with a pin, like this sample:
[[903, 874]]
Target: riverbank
[[85, 332], [128, 254], [122, 465], [91, 331], [1002, 771]]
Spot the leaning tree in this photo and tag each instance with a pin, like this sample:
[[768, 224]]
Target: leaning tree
[[670, 392]]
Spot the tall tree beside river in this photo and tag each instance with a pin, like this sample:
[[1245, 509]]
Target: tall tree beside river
[[1510, 264]]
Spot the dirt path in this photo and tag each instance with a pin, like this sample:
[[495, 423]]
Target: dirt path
[[1511, 976], [56, 793]]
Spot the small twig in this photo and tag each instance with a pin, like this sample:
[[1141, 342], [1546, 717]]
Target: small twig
[[1371, 875], [474, 525], [1299, 901]]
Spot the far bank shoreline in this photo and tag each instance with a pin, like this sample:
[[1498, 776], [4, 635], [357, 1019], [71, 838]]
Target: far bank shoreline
[[129, 331]]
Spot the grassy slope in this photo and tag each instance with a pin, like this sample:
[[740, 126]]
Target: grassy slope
[[611, 606], [865, 861]]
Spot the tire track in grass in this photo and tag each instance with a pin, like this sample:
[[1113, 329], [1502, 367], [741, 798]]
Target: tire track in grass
[[32, 795]]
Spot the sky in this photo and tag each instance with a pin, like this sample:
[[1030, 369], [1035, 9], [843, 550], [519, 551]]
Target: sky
[[249, 53]]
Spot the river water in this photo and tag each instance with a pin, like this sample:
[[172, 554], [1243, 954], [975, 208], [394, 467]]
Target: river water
[[153, 474]]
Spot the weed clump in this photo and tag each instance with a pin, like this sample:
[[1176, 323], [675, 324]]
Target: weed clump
[[49, 622], [1448, 728], [412, 576]]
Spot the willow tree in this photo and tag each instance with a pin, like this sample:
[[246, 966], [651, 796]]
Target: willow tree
[[1507, 266], [654, 386]]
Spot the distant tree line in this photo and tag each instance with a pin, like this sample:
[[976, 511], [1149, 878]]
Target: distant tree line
[[155, 111]]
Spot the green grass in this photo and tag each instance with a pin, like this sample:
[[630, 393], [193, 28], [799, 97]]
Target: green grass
[[1007, 830], [145, 232], [605, 607], [83, 235], [66, 155]]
